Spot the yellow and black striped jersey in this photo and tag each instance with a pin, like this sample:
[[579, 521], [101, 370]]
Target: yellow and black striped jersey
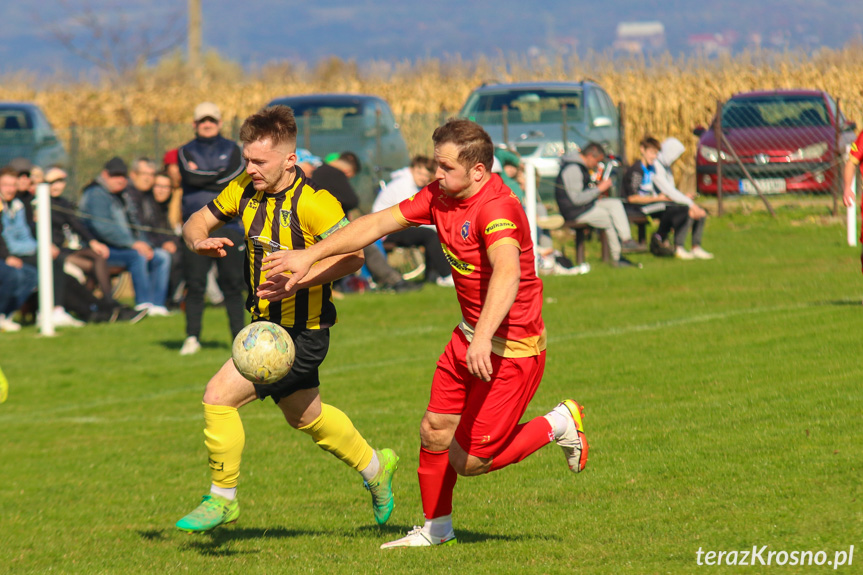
[[292, 219]]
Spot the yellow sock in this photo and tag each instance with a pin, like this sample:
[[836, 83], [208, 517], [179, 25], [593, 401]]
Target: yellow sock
[[334, 432], [224, 437]]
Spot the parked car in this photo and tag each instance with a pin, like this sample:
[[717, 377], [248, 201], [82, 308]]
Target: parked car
[[359, 123], [25, 132], [787, 139], [534, 119]]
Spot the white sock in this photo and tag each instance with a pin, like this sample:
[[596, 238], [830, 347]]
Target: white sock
[[558, 422], [372, 468], [226, 492], [439, 526]]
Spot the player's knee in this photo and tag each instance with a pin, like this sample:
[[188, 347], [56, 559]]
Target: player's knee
[[434, 436]]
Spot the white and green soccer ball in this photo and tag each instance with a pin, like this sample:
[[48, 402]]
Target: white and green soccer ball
[[263, 352]]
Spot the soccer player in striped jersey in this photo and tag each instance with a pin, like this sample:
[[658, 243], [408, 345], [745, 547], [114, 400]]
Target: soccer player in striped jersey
[[280, 209], [495, 359]]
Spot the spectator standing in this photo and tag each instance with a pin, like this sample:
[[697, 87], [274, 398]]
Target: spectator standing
[[110, 218], [404, 184], [207, 164], [581, 200], [670, 151]]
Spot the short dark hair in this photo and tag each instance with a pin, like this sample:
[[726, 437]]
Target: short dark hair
[[8, 171], [650, 142], [593, 149], [276, 123], [352, 160], [474, 143], [424, 162]]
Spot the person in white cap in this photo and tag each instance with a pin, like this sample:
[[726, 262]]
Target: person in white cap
[[207, 164]]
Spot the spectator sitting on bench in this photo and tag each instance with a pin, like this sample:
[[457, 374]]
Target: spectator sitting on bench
[[581, 200], [670, 151], [111, 221], [404, 184], [643, 200]]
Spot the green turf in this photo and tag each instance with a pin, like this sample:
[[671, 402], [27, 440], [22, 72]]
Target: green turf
[[723, 404]]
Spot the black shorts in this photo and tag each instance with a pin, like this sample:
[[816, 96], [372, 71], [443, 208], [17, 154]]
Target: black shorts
[[311, 350]]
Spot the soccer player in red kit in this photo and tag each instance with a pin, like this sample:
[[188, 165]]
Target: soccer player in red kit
[[494, 361], [851, 166]]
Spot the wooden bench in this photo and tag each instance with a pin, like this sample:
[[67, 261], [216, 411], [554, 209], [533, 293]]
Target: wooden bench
[[582, 232]]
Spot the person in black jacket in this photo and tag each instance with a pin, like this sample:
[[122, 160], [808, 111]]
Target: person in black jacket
[[207, 164]]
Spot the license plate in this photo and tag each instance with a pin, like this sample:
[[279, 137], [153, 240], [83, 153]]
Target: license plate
[[766, 185]]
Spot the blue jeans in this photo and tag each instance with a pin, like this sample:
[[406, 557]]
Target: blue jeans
[[16, 285], [149, 278]]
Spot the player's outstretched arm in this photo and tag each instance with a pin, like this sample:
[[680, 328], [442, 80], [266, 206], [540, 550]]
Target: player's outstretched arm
[[196, 234], [328, 270], [351, 238]]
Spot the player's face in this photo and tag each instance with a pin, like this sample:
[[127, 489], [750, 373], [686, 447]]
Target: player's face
[[270, 167], [456, 181]]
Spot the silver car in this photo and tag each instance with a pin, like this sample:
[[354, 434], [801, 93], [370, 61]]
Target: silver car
[[534, 119], [26, 133]]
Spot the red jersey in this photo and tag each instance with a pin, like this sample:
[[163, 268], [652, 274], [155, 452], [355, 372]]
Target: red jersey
[[467, 230], [857, 150]]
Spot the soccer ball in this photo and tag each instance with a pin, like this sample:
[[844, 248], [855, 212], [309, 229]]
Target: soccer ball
[[263, 352]]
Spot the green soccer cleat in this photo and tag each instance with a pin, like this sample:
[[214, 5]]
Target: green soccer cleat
[[213, 511], [381, 487]]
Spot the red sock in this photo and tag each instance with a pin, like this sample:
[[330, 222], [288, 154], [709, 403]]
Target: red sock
[[524, 440], [437, 480]]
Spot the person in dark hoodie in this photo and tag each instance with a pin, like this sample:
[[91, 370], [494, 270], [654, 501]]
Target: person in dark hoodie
[[580, 199], [208, 163]]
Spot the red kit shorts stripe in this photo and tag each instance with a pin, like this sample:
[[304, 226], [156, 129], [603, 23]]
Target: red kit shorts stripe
[[489, 410]]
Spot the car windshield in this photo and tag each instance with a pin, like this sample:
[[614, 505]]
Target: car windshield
[[541, 106], [329, 116], [775, 111]]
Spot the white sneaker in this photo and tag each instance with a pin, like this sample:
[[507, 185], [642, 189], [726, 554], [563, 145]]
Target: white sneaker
[[700, 253], [63, 319], [7, 324], [681, 254], [573, 271], [416, 537], [573, 442], [190, 346], [159, 311], [445, 281]]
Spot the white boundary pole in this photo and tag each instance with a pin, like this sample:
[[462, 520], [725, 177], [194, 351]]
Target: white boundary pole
[[530, 205], [852, 217], [44, 259]]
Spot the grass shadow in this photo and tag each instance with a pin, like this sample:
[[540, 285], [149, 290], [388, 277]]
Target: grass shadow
[[463, 535], [214, 543]]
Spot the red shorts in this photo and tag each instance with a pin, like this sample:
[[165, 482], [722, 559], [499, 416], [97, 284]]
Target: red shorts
[[489, 410]]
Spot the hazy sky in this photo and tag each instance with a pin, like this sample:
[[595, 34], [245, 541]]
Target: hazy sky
[[257, 31]]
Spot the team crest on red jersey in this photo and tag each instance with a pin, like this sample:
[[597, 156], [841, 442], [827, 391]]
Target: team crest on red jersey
[[465, 230]]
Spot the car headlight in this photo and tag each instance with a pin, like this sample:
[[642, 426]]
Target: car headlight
[[711, 154], [810, 152], [552, 150]]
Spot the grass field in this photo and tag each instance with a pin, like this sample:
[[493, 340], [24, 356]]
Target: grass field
[[724, 411]]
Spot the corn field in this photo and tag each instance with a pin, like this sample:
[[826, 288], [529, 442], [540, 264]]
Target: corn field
[[663, 97]]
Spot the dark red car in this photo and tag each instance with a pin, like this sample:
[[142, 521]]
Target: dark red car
[[787, 139]]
